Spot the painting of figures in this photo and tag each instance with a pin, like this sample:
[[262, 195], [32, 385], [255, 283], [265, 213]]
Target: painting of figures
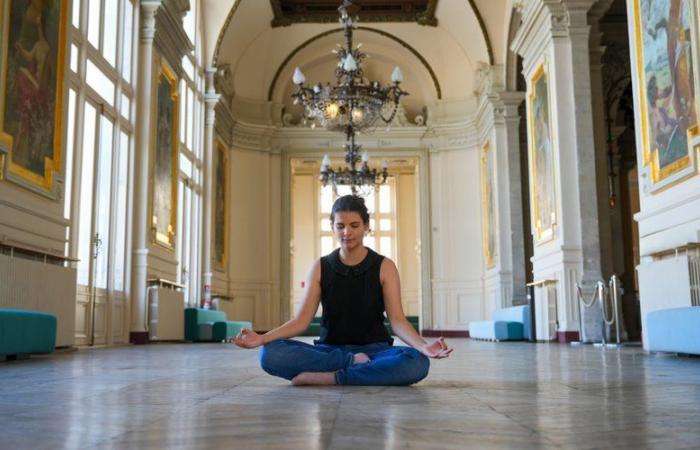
[[488, 206], [220, 206], [667, 84], [542, 158], [165, 164], [33, 41]]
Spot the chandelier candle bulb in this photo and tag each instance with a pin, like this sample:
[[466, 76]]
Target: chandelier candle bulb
[[298, 77], [396, 75], [350, 65]]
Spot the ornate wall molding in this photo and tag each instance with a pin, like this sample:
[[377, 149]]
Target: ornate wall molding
[[170, 38], [422, 12]]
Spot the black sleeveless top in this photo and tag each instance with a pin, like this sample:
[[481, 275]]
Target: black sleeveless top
[[353, 302]]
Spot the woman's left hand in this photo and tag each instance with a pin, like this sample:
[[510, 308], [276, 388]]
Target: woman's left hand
[[438, 349]]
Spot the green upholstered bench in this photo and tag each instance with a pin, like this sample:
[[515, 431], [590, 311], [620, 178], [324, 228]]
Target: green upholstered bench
[[229, 328], [314, 328], [24, 332], [208, 325]]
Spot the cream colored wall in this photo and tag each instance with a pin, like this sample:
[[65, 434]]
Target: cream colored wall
[[457, 292], [408, 256], [254, 237]]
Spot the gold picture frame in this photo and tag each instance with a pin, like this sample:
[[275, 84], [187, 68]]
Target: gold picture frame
[[488, 236], [164, 158], [544, 199], [221, 207], [36, 70], [669, 93]]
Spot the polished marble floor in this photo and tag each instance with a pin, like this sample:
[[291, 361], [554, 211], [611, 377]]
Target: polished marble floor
[[487, 395]]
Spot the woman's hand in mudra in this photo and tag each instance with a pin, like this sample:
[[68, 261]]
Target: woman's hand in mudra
[[437, 349], [247, 338]]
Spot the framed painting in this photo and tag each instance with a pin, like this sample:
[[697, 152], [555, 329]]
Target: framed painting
[[164, 167], [220, 205], [542, 176], [31, 90], [488, 207], [666, 82]]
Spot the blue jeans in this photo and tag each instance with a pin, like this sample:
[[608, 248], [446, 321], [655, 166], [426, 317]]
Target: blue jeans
[[388, 365]]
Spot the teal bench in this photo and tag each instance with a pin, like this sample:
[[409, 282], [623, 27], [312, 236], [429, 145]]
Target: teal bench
[[208, 325], [507, 324], [674, 330], [314, 328], [25, 332]]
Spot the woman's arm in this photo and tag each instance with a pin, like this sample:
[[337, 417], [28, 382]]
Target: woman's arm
[[391, 288], [294, 327]]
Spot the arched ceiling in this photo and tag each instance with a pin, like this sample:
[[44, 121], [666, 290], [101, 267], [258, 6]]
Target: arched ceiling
[[439, 63]]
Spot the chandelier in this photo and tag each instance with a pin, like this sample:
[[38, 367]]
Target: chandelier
[[352, 106]]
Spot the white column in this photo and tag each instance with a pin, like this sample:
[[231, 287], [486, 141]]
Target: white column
[[572, 255], [504, 283], [510, 184], [211, 98], [139, 261]]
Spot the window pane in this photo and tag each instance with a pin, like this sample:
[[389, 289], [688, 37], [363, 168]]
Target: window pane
[[188, 67], [94, 22], [326, 244], [183, 108], [128, 40], [70, 141], [370, 242], [76, 13], [74, 58], [190, 117], [181, 239], [102, 218], [111, 13], [384, 198], [125, 107], [326, 224], [371, 224], [189, 21], [86, 181], [186, 165], [385, 224], [120, 217], [385, 246], [326, 199], [97, 80]]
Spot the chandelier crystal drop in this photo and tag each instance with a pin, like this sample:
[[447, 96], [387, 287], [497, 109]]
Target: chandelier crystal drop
[[352, 105]]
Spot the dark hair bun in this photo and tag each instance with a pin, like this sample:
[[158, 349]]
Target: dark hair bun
[[350, 203]]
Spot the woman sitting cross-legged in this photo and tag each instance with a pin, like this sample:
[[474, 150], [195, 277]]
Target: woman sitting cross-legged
[[355, 285]]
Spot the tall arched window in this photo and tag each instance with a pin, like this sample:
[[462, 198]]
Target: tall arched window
[[100, 129], [191, 149]]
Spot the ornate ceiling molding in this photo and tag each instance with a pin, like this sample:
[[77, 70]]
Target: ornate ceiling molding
[[234, 8], [404, 44], [288, 12]]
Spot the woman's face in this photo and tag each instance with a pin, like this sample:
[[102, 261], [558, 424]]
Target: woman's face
[[349, 229]]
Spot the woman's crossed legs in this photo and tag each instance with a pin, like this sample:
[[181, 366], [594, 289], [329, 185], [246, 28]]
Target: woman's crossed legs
[[330, 364]]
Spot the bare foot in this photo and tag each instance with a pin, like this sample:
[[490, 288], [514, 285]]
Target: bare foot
[[315, 378], [360, 358]]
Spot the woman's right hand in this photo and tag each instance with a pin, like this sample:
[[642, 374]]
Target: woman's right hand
[[248, 338]]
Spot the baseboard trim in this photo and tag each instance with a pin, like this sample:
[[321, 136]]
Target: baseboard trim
[[565, 337], [445, 333], [138, 337]]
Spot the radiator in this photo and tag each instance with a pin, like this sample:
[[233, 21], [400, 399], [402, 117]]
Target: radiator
[[694, 268], [546, 311], [166, 314], [36, 286]]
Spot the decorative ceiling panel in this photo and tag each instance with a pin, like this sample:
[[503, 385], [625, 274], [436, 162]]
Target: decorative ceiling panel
[[288, 12]]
